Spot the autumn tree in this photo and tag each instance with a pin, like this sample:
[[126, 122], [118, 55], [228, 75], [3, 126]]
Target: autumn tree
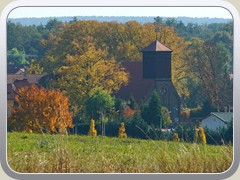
[[83, 74], [119, 41], [40, 110], [34, 68], [210, 63]]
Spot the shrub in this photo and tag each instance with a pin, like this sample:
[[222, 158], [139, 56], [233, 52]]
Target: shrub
[[175, 137], [200, 136], [121, 132], [40, 110], [92, 131]]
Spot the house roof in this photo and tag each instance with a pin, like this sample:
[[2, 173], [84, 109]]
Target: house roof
[[13, 69], [156, 46], [17, 81], [32, 78], [226, 117], [137, 87]]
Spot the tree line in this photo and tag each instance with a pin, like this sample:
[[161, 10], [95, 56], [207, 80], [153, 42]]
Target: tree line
[[201, 58]]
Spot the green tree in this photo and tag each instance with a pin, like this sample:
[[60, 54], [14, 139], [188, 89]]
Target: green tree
[[16, 57], [98, 106], [152, 113]]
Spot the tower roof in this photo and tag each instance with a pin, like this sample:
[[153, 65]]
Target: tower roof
[[156, 46]]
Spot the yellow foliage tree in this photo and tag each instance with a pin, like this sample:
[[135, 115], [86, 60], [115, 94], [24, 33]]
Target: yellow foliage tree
[[83, 75], [121, 131], [92, 131], [123, 42], [34, 68], [200, 136], [40, 110]]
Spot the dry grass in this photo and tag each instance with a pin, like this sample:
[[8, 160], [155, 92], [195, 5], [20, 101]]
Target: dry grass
[[32, 153]]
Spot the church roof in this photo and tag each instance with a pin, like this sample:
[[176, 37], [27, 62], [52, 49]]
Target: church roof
[[156, 46], [137, 87]]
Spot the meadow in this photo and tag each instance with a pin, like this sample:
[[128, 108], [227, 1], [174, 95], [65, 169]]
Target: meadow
[[44, 153]]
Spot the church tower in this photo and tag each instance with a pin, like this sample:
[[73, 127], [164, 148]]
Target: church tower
[[157, 66]]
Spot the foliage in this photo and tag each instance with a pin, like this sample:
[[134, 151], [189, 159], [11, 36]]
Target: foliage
[[40, 110], [200, 136], [175, 137], [229, 132], [121, 132], [26, 39], [99, 104], [185, 114], [165, 117], [186, 133], [16, 57], [128, 113], [133, 103], [92, 131], [82, 75], [152, 113], [34, 68], [210, 63], [123, 43]]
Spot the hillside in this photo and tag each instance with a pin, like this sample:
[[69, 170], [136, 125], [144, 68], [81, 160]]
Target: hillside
[[37, 153]]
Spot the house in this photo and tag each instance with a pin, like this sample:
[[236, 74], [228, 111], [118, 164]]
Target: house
[[217, 120], [17, 81]]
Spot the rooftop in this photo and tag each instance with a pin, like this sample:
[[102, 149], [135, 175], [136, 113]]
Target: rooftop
[[156, 46]]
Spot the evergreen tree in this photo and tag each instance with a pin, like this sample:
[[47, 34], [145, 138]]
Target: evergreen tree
[[152, 113]]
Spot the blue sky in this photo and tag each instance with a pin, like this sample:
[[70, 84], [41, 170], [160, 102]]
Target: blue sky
[[210, 12]]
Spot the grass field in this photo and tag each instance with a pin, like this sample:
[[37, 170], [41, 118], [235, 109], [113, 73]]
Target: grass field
[[38, 153]]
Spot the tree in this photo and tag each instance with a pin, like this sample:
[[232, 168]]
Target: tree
[[40, 110], [16, 57], [34, 68], [98, 106], [82, 75], [211, 63], [124, 42], [152, 113]]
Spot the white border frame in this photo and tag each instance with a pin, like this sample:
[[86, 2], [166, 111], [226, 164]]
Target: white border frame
[[122, 3]]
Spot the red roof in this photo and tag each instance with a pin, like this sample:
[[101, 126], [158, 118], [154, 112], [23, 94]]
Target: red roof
[[156, 46], [137, 87]]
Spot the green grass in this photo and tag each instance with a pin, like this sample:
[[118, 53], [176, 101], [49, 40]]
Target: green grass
[[37, 153]]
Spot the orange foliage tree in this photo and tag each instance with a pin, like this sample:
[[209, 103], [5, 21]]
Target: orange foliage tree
[[40, 110]]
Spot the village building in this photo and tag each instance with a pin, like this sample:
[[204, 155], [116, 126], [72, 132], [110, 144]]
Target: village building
[[154, 72], [16, 79], [217, 120]]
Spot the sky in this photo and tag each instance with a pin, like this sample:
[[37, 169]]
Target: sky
[[211, 12]]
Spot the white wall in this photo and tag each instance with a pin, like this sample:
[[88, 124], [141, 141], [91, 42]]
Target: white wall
[[213, 123]]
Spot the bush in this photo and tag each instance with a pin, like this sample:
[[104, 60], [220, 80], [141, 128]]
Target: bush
[[185, 133]]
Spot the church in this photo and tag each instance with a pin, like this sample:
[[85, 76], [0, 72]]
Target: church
[[154, 72]]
